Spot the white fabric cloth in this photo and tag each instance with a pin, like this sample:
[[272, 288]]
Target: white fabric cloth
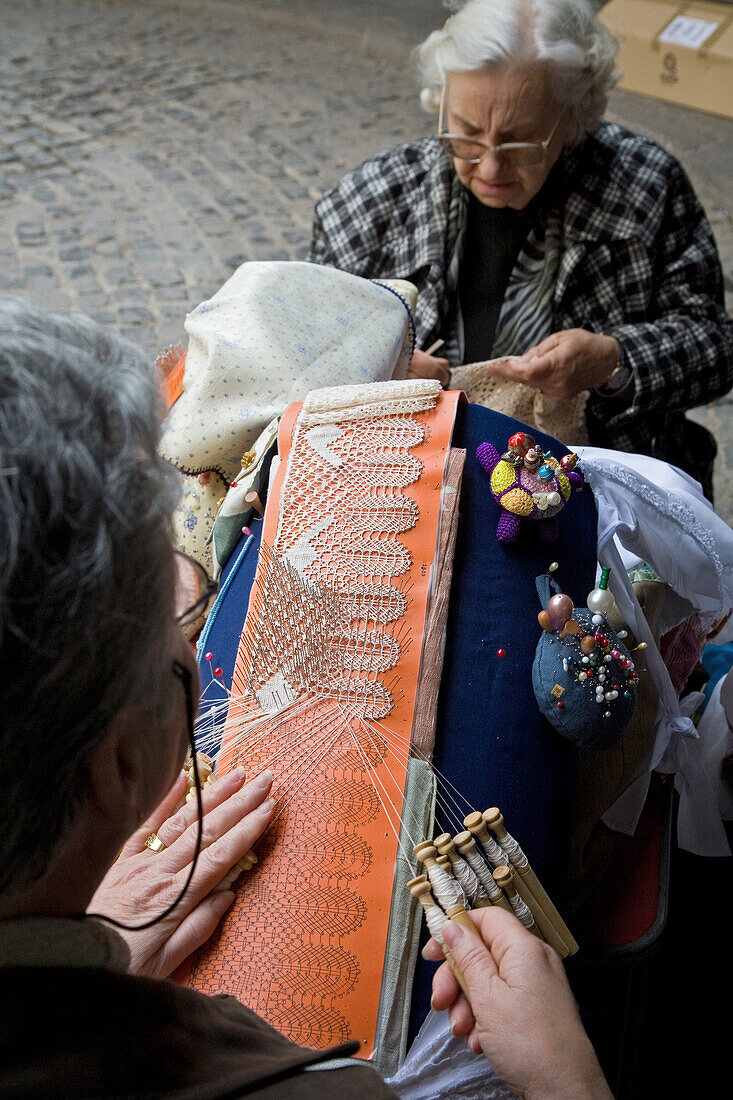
[[439, 1065], [650, 512], [274, 331]]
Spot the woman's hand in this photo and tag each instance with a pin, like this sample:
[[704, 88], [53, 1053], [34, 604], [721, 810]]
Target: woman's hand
[[428, 366], [141, 883], [564, 364], [522, 1014]]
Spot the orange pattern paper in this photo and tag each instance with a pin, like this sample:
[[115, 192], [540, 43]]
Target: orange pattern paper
[[304, 942]]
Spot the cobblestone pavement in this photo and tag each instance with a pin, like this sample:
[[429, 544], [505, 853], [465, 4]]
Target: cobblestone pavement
[[148, 147]]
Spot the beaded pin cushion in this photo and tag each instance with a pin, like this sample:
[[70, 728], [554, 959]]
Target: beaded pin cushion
[[583, 675], [528, 483]]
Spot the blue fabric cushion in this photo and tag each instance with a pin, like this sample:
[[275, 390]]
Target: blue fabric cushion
[[223, 628], [492, 743]]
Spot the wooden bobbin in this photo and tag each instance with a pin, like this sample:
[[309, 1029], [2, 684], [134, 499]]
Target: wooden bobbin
[[420, 888], [466, 845], [252, 499], [493, 818], [446, 845], [553, 927], [458, 914], [477, 826], [415, 886], [505, 877], [246, 863], [448, 889], [205, 766], [446, 850], [544, 924]]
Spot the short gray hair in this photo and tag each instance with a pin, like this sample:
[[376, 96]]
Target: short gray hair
[[86, 574], [482, 34]]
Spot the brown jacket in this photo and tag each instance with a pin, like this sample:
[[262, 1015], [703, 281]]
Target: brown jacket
[[96, 1031]]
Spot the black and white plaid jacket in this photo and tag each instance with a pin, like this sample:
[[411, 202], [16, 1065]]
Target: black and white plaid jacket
[[638, 262]]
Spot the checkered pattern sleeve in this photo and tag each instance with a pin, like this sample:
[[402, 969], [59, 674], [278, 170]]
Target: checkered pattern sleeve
[[681, 354], [357, 221]]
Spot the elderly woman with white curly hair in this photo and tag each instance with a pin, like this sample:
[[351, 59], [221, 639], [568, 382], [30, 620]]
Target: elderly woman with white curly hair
[[570, 252]]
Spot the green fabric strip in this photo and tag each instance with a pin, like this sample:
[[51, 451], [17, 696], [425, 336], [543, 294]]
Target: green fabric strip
[[404, 925]]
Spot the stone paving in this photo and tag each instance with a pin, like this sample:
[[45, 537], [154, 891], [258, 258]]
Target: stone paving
[[149, 147]]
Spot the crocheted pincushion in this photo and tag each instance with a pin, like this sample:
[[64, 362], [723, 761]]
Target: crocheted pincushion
[[583, 676], [528, 484]]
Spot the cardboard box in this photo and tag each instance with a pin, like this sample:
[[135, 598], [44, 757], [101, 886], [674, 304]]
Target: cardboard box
[[679, 52]]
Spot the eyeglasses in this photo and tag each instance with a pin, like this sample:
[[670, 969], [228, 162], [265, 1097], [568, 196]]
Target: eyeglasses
[[473, 152], [194, 589]]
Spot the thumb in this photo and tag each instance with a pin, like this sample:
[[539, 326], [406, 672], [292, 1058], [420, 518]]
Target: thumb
[[470, 954]]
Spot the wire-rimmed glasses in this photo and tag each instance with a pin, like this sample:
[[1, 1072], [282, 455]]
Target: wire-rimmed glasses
[[194, 589], [473, 152]]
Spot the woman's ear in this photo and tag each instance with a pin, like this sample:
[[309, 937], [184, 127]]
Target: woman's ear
[[570, 128], [118, 773]]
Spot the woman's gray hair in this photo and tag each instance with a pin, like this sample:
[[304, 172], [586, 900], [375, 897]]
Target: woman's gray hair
[[86, 572], [482, 34]]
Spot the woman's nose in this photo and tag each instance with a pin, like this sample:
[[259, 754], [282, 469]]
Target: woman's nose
[[490, 166]]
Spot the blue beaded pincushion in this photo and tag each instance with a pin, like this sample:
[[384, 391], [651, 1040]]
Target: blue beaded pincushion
[[583, 675]]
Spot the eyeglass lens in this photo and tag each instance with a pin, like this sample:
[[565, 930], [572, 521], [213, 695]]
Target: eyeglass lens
[[474, 151], [193, 588]]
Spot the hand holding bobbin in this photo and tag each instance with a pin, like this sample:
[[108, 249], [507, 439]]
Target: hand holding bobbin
[[521, 1012], [447, 893]]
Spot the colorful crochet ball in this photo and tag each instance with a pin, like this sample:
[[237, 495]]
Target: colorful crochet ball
[[528, 484], [585, 681]]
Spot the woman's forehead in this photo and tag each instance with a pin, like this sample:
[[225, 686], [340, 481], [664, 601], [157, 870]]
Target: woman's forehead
[[505, 96]]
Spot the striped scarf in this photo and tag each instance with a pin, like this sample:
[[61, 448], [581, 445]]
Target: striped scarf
[[525, 319], [526, 316], [526, 313]]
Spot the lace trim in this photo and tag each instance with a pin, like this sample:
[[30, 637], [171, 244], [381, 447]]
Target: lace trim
[[339, 404], [332, 579], [672, 507]]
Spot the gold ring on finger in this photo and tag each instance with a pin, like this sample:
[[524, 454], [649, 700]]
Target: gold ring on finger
[[154, 843]]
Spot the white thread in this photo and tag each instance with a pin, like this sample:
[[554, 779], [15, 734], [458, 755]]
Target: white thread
[[494, 852], [337, 404], [365, 651], [378, 603], [401, 432], [446, 889], [379, 513], [513, 852], [370, 557], [522, 912], [483, 874], [320, 439], [466, 878], [270, 694], [436, 920], [301, 554]]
